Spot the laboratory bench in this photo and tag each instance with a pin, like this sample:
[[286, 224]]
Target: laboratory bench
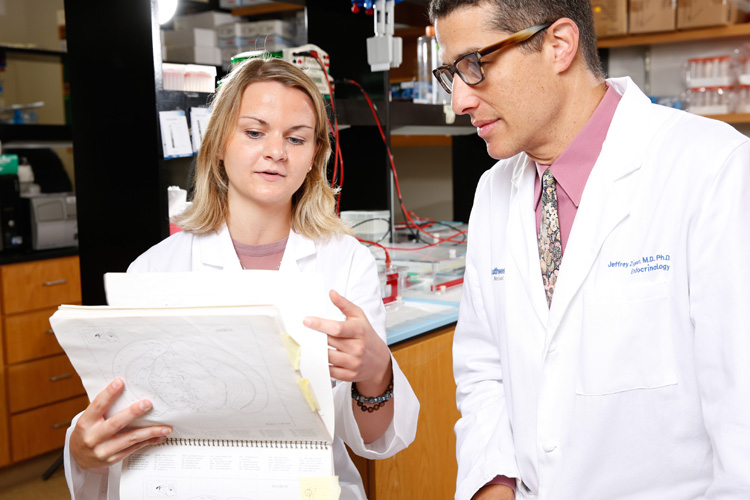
[[420, 334]]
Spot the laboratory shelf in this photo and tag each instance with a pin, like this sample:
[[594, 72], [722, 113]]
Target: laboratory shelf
[[715, 33], [732, 118], [168, 100], [269, 8], [22, 51], [19, 136], [406, 117]]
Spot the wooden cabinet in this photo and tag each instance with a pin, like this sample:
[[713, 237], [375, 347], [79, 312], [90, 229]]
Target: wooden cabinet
[[427, 468], [39, 390]]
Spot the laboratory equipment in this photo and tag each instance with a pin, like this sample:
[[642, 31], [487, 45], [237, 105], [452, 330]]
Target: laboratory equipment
[[431, 269], [392, 283], [372, 225], [384, 51], [303, 57]]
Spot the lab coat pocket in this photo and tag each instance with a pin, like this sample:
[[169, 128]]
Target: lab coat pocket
[[626, 341]]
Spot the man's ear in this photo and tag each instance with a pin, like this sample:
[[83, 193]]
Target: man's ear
[[561, 43]]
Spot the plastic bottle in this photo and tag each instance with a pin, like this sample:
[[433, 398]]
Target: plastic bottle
[[423, 88], [439, 95], [428, 90]]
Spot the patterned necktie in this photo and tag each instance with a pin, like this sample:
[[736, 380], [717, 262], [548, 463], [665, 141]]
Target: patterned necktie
[[550, 247]]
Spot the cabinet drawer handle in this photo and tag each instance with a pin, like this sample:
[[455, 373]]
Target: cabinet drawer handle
[[50, 331], [61, 424], [60, 377], [56, 282]]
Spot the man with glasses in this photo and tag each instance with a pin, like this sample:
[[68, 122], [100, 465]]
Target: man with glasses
[[601, 350]]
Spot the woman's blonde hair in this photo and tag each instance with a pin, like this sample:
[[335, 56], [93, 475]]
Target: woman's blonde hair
[[313, 205]]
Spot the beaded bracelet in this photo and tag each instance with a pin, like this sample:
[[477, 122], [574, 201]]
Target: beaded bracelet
[[376, 401]]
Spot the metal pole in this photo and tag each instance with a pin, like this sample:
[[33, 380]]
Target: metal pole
[[387, 130]]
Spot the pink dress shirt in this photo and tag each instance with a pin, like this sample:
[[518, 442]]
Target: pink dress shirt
[[572, 168]]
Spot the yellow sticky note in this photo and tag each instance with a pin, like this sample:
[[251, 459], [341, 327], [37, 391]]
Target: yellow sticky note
[[292, 350], [319, 488], [307, 390]]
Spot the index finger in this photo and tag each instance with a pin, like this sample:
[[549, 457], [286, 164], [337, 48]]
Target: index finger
[[101, 403], [349, 308], [327, 326]]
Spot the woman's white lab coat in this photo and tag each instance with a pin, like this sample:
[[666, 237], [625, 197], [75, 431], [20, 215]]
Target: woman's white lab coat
[[635, 384], [349, 268]]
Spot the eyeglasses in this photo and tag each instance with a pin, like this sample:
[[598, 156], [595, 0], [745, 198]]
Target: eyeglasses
[[469, 67]]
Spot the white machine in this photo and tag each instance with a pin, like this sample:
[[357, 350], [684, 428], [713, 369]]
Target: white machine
[[384, 51], [303, 58]]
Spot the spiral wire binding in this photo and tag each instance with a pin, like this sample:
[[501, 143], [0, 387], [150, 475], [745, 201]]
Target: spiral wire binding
[[241, 443]]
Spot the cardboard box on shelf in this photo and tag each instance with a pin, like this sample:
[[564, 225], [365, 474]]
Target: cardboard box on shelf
[[268, 27], [649, 16], [705, 13], [209, 19], [192, 54], [204, 37], [231, 4], [610, 17], [263, 42]]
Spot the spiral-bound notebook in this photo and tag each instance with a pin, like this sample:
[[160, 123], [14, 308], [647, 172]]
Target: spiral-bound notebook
[[228, 380]]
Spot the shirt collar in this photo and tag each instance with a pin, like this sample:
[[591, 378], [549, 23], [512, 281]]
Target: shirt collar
[[572, 168]]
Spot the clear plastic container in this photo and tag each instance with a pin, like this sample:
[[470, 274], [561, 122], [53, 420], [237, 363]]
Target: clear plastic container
[[742, 99], [711, 100], [200, 78], [423, 88], [174, 76], [427, 89], [708, 72]]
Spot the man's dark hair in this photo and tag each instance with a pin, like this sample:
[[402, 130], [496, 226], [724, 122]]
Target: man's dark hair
[[511, 16]]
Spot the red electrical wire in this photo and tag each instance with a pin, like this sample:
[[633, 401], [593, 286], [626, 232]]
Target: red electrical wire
[[338, 164], [409, 221], [338, 161], [387, 255]]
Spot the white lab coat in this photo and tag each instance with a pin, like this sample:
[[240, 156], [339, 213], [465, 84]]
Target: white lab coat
[[350, 269], [635, 384]]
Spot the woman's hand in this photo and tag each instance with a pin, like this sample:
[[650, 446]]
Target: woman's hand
[[360, 356], [97, 442]]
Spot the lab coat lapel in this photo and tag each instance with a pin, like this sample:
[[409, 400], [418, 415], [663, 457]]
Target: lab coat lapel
[[521, 236], [216, 251], [298, 250], [605, 202]]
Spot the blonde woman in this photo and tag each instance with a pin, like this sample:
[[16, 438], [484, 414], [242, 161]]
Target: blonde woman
[[262, 201]]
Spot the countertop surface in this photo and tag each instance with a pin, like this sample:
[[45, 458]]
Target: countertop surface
[[419, 313], [15, 258], [415, 314]]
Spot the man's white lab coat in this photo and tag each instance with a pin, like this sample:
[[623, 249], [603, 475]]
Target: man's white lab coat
[[635, 384]]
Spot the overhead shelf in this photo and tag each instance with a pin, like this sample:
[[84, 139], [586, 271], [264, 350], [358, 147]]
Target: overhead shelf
[[23, 51], [269, 8], [732, 118], [716, 33], [35, 136], [406, 117]]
